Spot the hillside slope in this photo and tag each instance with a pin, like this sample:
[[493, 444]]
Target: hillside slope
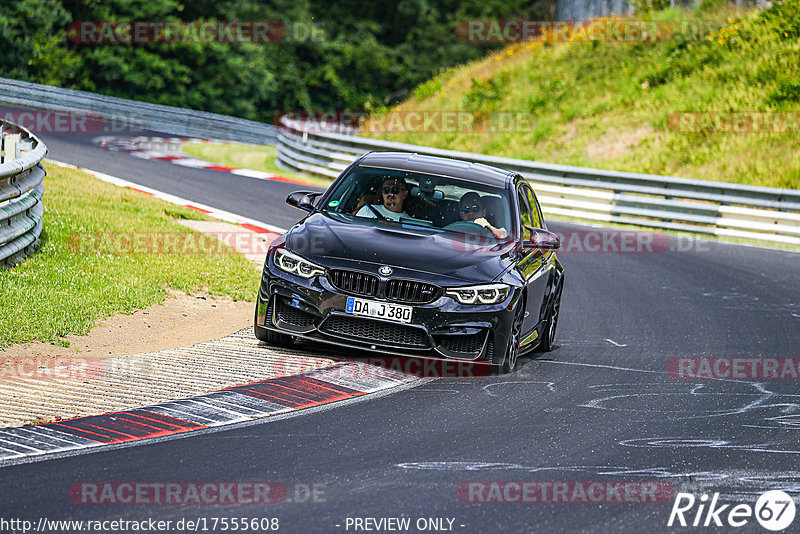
[[659, 105]]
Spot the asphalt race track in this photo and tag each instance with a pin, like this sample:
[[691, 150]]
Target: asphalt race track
[[601, 407]]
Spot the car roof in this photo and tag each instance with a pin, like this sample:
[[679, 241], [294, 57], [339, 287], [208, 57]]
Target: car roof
[[405, 161]]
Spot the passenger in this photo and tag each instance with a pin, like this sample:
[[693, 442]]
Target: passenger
[[471, 209], [394, 192]]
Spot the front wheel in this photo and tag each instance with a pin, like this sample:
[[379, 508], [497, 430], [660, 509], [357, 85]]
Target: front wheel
[[269, 336], [510, 355], [549, 334]]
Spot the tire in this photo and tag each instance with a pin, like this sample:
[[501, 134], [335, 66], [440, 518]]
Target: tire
[[549, 335], [506, 362], [269, 336]]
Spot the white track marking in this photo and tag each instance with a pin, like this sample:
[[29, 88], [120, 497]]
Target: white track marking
[[172, 199], [550, 385]]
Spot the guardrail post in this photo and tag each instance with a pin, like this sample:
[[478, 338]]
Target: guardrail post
[[10, 147], [23, 147]]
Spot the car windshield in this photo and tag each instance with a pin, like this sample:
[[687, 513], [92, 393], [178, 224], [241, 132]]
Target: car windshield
[[440, 204]]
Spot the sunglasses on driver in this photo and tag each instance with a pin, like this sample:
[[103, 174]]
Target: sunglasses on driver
[[475, 208], [393, 190]]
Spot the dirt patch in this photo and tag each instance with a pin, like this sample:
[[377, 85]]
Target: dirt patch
[[182, 320], [616, 143], [571, 131]]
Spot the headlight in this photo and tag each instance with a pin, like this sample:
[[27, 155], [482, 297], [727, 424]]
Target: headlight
[[294, 264], [488, 294]]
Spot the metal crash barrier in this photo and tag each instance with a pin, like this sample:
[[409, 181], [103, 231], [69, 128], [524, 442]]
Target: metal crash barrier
[[662, 202], [21, 190]]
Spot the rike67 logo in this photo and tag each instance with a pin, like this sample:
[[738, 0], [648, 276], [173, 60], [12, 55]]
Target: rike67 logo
[[774, 510]]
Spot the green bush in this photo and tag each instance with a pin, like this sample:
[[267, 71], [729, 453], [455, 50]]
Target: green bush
[[788, 91], [427, 89], [784, 18], [641, 7], [483, 94]]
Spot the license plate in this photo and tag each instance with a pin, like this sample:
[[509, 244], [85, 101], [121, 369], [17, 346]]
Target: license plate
[[381, 310]]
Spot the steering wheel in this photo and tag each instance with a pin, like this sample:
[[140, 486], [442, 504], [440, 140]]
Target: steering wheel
[[467, 227]]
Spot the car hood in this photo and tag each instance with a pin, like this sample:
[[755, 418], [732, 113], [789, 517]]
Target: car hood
[[407, 249]]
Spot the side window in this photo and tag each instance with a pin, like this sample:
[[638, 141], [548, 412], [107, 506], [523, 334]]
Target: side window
[[536, 213], [525, 214]]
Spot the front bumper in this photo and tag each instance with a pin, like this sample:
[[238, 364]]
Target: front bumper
[[444, 329]]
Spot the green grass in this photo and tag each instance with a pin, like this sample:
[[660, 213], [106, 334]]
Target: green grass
[[256, 157], [613, 105], [40, 421], [70, 284]]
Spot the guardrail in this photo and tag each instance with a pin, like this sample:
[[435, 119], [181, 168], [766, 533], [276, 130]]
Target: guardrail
[[121, 112], [21, 191], [575, 10], [662, 202]]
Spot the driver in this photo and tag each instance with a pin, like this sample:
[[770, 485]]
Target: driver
[[471, 209], [394, 191]]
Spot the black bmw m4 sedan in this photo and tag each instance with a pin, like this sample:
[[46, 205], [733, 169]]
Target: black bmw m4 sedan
[[416, 256]]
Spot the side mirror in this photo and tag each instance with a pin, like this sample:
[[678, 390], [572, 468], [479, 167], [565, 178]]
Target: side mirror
[[303, 200], [542, 239]]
